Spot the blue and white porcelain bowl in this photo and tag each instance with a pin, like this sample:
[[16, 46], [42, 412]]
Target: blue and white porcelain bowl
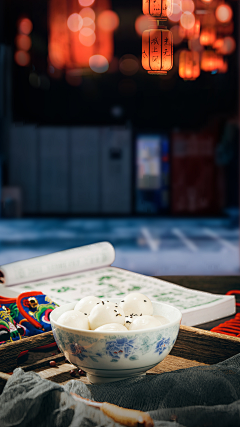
[[112, 356]]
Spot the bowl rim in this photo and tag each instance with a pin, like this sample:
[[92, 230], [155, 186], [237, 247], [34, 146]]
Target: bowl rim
[[127, 333]]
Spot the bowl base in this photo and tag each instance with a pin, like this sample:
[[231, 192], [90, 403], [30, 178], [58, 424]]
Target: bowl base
[[95, 379]]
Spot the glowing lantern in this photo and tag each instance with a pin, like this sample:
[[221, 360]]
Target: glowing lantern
[[157, 51], [208, 36], [224, 13], [189, 65], [210, 61], [191, 33], [159, 9], [75, 35]]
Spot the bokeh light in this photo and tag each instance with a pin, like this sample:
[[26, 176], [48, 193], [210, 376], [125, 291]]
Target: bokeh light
[[88, 22], [142, 24], [108, 20], [87, 36], [206, 1], [178, 34], [128, 65], [23, 42], [85, 3], [22, 58], [75, 22], [25, 26], [228, 46], [87, 12], [224, 13], [98, 63], [187, 20], [177, 12], [187, 6]]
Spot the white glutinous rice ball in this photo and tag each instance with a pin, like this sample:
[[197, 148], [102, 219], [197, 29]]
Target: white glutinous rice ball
[[129, 320], [112, 327], [74, 319], [162, 319], [86, 304], [144, 322], [136, 303], [105, 313]]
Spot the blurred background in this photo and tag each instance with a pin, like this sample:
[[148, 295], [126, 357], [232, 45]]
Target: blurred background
[[94, 148]]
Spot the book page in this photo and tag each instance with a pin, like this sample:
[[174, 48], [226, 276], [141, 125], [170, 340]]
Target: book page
[[57, 264], [113, 282]]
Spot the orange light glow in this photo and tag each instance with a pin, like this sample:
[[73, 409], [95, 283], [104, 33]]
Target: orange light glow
[[75, 22], [108, 20], [191, 33], [224, 13], [228, 46], [23, 42], [208, 36], [223, 67], [209, 61], [187, 6], [142, 24], [157, 51], [22, 58], [87, 36], [72, 50], [187, 20], [160, 9], [85, 3], [189, 65], [25, 26], [87, 12], [176, 11], [128, 65], [98, 63], [207, 1]]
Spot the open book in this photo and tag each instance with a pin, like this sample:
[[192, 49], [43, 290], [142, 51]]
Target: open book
[[70, 275]]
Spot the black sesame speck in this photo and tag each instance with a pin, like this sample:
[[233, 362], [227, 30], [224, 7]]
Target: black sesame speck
[[128, 321], [145, 300], [85, 314], [115, 311], [102, 302], [122, 300], [141, 314]]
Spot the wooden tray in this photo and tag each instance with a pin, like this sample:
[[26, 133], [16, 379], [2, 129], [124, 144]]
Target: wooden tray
[[194, 347]]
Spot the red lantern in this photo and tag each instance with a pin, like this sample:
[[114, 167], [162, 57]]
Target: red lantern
[[157, 51], [208, 36], [75, 37], [160, 9], [189, 65]]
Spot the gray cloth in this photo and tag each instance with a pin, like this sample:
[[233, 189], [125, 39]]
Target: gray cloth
[[204, 396]]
